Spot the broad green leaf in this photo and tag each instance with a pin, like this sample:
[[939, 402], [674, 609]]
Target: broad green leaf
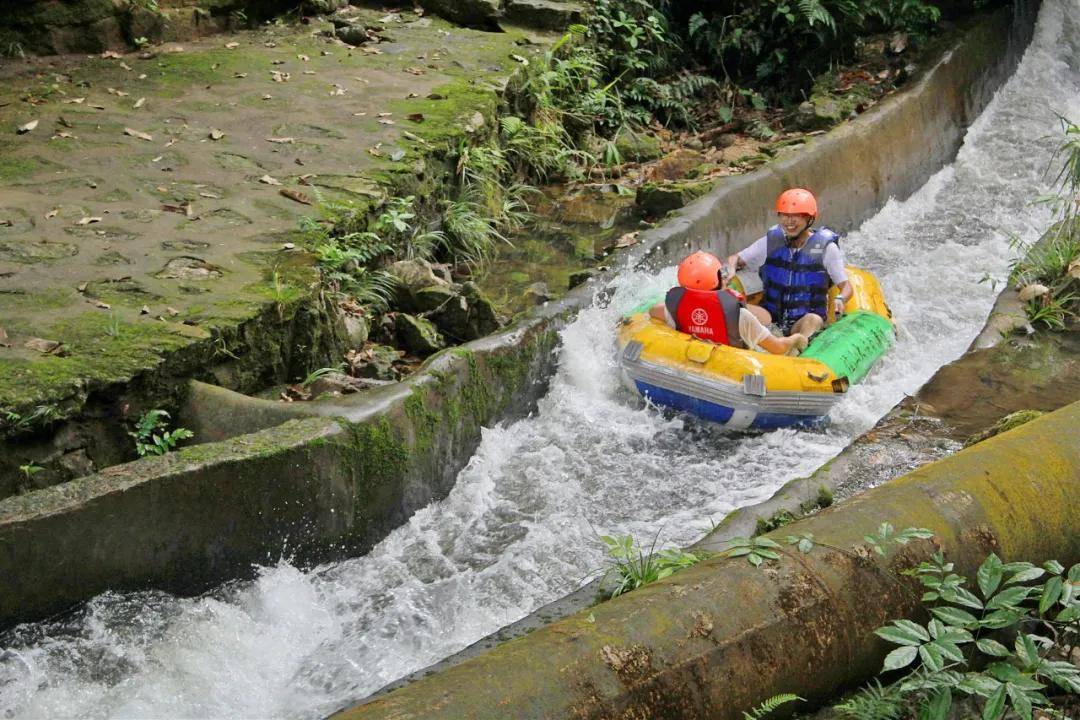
[[766, 542], [772, 555], [1074, 573], [900, 657], [950, 651], [978, 684], [935, 628], [738, 551], [955, 616], [929, 597], [1020, 702], [1026, 650], [1032, 573], [992, 647], [754, 559], [805, 545], [1008, 598], [1000, 619], [1069, 614], [1015, 567], [1050, 594], [967, 598], [995, 705], [932, 656], [989, 575], [1004, 672], [898, 636], [1054, 567]]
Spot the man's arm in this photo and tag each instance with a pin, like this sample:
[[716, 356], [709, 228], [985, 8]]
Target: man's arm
[[834, 265], [752, 257]]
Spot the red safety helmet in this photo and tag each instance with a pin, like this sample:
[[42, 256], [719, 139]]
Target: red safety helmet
[[797, 201], [698, 271]]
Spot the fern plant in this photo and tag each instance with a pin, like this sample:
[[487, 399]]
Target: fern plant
[[768, 706], [152, 436]]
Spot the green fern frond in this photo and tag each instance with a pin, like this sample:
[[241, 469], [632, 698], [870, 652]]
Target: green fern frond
[[874, 702], [815, 12], [769, 705]]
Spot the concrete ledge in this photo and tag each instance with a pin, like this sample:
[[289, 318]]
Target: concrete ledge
[[311, 489], [718, 638]]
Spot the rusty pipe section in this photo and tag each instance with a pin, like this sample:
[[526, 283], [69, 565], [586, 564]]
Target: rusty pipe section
[[718, 638]]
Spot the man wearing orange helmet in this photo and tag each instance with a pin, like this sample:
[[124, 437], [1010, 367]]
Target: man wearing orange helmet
[[796, 263], [703, 306]]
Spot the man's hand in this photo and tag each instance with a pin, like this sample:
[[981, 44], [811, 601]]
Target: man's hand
[[838, 307]]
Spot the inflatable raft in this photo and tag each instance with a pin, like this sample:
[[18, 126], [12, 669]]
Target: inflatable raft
[[748, 389]]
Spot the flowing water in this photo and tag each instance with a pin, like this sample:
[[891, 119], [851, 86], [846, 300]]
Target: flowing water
[[520, 527]]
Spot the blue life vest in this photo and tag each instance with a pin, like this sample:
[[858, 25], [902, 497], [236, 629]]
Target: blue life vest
[[796, 282]]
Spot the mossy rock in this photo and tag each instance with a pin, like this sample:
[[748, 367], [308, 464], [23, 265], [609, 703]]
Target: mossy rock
[[659, 198], [639, 146], [1010, 421], [417, 335]]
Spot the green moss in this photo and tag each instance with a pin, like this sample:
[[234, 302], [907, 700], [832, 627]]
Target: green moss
[[424, 421], [1008, 422], [379, 452], [14, 168], [777, 520]]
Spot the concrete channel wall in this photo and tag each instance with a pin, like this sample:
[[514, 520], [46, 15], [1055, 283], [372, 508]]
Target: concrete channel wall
[[721, 637], [333, 484]]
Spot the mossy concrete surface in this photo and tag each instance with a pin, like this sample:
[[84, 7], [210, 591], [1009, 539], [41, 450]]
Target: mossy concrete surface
[[717, 639], [143, 223], [309, 489]]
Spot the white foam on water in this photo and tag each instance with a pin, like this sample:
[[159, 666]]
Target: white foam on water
[[520, 527]]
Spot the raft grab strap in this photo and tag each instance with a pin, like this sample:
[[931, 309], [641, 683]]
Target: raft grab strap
[[754, 385]]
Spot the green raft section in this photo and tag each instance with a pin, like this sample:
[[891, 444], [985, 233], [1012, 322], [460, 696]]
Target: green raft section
[[851, 346]]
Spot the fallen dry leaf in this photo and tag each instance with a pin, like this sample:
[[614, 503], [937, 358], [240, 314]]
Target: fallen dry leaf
[[96, 107], [374, 151], [410, 96], [397, 155], [75, 101], [239, 75], [88, 220], [47, 347], [216, 134], [520, 59], [279, 76], [111, 55], [1074, 269], [138, 134], [286, 246], [139, 103], [118, 93], [27, 127], [184, 209], [63, 121], [268, 97], [64, 135], [415, 117], [52, 213], [171, 143], [144, 310], [309, 72], [295, 195], [371, 51], [102, 305], [81, 287], [231, 45], [269, 180], [125, 66], [386, 121], [414, 70], [157, 159], [627, 240], [281, 140], [304, 58], [211, 196], [172, 311], [3, 338]]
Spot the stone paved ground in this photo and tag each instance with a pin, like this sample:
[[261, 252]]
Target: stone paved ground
[[148, 208]]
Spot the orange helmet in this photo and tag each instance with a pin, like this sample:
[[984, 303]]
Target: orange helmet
[[797, 201], [698, 271]]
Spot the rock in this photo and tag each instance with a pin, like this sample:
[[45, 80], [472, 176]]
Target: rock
[[898, 43], [483, 317], [725, 140], [468, 316], [321, 7], [142, 22], [659, 198], [538, 293], [433, 297], [544, 14], [352, 35], [357, 330], [818, 113], [581, 276], [476, 13], [694, 144], [418, 335], [335, 382], [638, 146], [414, 276], [188, 268], [376, 362], [676, 165]]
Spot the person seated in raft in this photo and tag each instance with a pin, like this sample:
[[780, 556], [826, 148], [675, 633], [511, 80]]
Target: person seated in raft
[[703, 306], [796, 263]]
